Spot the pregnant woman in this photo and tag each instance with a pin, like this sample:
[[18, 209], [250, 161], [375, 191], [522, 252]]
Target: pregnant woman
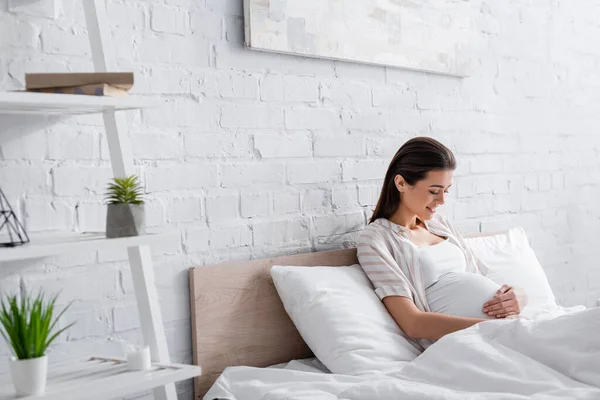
[[421, 267]]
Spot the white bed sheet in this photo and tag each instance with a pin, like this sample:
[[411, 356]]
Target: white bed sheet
[[553, 357]]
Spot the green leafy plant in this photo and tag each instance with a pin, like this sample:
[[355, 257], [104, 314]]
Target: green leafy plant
[[124, 191], [28, 325]]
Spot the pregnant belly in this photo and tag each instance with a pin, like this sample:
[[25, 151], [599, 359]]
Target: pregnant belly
[[461, 294]]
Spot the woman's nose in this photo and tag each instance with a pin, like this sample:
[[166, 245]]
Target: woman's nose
[[442, 199]]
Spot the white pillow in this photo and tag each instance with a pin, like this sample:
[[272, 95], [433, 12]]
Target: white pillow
[[342, 320], [513, 262]]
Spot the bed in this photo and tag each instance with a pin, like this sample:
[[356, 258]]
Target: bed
[[240, 326]]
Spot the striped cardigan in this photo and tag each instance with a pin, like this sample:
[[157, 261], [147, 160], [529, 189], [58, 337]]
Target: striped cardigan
[[391, 260]]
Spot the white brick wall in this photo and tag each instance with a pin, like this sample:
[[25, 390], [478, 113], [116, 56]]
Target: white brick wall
[[257, 154]]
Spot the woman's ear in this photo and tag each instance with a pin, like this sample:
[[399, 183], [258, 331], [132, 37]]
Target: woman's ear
[[400, 183]]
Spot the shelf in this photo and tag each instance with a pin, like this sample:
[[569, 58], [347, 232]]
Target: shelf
[[99, 378], [49, 245], [68, 104]]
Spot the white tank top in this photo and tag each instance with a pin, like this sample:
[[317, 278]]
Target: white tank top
[[448, 287]]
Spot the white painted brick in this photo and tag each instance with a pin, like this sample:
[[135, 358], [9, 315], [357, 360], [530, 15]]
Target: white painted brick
[[17, 33], [370, 121], [410, 122], [344, 197], [207, 24], [558, 180], [32, 179], [252, 174], [196, 240], [545, 181], [32, 146], [164, 80], [362, 170], [79, 181], [65, 143], [533, 201], [234, 30], [180, 177], [385, 146], [41, 8], [223, 207], [227, 57], [271, 88], [225, 144], [57, 40], [339, 224], [339, 146], [368, 195], [227, 7], [200, 116], [155, 212], [254, 204], [485, 164], [360, 72], [285, 203], [125, 317], [471, 208], [91, 217], [241, 86], [169, 20], [204, 83], [275, 146], [87, 286], [156, 146], [281, 233], [300, 89], [242, 116], [155, 49], [312, 172], [87, 323], [126, 15], [185, 210], [309, 118], [304, 66], [393, 96], [9, 284], [189, 50], [506, 204], [345, 94], [316, 199], [226, 237]]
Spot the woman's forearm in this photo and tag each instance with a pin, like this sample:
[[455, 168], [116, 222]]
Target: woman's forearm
[[433, 326]]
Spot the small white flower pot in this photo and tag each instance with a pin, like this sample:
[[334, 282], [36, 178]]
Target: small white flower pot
[[29, 376]]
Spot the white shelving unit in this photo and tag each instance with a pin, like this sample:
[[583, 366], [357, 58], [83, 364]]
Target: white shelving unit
[[51, 245], [138, 249], [67, 104], [99, 378]]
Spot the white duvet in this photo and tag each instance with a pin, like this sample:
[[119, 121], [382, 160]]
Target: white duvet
[[555, 357]]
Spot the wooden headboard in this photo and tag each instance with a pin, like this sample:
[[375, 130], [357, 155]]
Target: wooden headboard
[[238, 318]]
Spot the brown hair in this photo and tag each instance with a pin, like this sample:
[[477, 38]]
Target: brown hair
[[413, 161]]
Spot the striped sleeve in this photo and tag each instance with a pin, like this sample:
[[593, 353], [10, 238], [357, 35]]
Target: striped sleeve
[[380, 266]]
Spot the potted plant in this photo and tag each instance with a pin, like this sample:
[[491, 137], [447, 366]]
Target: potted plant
[[28, 326], [125, 215]]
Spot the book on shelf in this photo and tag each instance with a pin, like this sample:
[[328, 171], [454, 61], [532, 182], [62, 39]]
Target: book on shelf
[[121, 80], [101, 89]]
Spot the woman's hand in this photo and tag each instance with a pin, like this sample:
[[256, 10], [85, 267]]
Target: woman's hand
[[507, 301]]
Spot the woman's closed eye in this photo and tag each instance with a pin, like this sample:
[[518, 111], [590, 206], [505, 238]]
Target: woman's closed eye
[[438, 192]]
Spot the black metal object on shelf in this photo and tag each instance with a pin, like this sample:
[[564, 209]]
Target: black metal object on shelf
[[10, 225]]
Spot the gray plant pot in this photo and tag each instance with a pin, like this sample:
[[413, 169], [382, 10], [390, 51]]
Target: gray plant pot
[[125, 220]]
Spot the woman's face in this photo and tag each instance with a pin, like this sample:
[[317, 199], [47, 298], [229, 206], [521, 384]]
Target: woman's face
[[426, 195]]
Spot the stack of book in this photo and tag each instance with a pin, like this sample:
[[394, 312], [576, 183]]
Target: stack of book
[[92, 84]]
